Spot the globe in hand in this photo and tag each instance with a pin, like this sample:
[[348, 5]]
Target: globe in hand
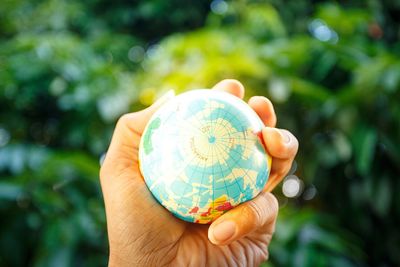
[[201, 154]]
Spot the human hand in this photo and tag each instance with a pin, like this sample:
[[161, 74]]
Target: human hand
[[142, 233]]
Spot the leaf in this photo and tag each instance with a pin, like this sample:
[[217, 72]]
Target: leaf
[[10, 191], [364, 140], [383, 195]]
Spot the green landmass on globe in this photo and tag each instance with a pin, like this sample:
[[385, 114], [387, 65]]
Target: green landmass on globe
[[201, 154]]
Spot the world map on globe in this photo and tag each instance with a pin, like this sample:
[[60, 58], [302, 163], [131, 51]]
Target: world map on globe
[[201, 154]]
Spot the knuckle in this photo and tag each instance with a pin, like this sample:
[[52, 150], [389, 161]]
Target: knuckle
[[273, 120], [284, 171], [127, 121], [263, 255], [123, 120], [256, 213], [273, 204], [270, 207]]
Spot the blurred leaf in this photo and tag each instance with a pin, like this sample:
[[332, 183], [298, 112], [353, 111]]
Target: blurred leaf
[[364, 140], [69, 69], [9, 191]]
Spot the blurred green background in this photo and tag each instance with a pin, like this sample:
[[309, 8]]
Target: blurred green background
[[70, 68]]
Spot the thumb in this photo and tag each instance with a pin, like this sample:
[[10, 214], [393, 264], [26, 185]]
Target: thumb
[[257, 214], [130, 127], [123, 150]]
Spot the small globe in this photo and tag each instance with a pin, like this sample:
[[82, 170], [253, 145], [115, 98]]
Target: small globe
[[201, 154]]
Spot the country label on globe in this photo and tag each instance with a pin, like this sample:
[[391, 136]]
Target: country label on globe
[[201, 155]]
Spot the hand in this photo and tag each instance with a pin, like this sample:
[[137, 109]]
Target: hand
[[143, 233]]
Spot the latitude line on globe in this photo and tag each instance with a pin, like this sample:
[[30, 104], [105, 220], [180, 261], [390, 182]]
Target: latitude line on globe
[[246, 172], [186, 184], [213, 180], [199, 123], [199, 131], [228, 148], [180, 118], [202, 178], [224, 178], [217, 117], [231, 118], [244, 146]]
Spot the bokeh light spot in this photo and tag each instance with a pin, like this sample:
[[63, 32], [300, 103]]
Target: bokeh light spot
[[136, 54], [292, 186], [309, 193], [320, 30], [279, 90], [219, 7], [4, 137], [58, 86]]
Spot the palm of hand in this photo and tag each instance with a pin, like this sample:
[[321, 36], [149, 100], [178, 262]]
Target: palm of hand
[[142, 233], [159, 239]]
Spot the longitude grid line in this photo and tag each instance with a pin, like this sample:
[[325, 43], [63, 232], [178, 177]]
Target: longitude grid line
[[226, 187], [233, 118], [246, 148], [177, 174], [193, 157], [213, 176], [241, 123], [220, 167], [202, 178], [227, 121], [224, 143], [225, 182], [237, 161], [199, 122], [187, 184], [240, 119], [185, 122], [246, 172], [196, 170], [217, 115], [218, 148], [224, 150], [230, 118]]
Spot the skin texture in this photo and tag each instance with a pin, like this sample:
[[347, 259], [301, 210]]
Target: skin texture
[[143, 233]]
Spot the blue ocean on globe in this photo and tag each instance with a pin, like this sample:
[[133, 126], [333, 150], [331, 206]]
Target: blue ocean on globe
[[201, 154]]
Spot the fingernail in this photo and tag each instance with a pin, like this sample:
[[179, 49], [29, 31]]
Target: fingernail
[[285, 136], [224, 231]]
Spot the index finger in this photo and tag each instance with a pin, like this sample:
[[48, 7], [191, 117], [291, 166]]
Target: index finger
[[280, 143], [231, 86]]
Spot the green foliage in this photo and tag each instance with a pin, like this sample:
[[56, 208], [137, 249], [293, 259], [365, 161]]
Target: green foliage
[[69, 69]]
